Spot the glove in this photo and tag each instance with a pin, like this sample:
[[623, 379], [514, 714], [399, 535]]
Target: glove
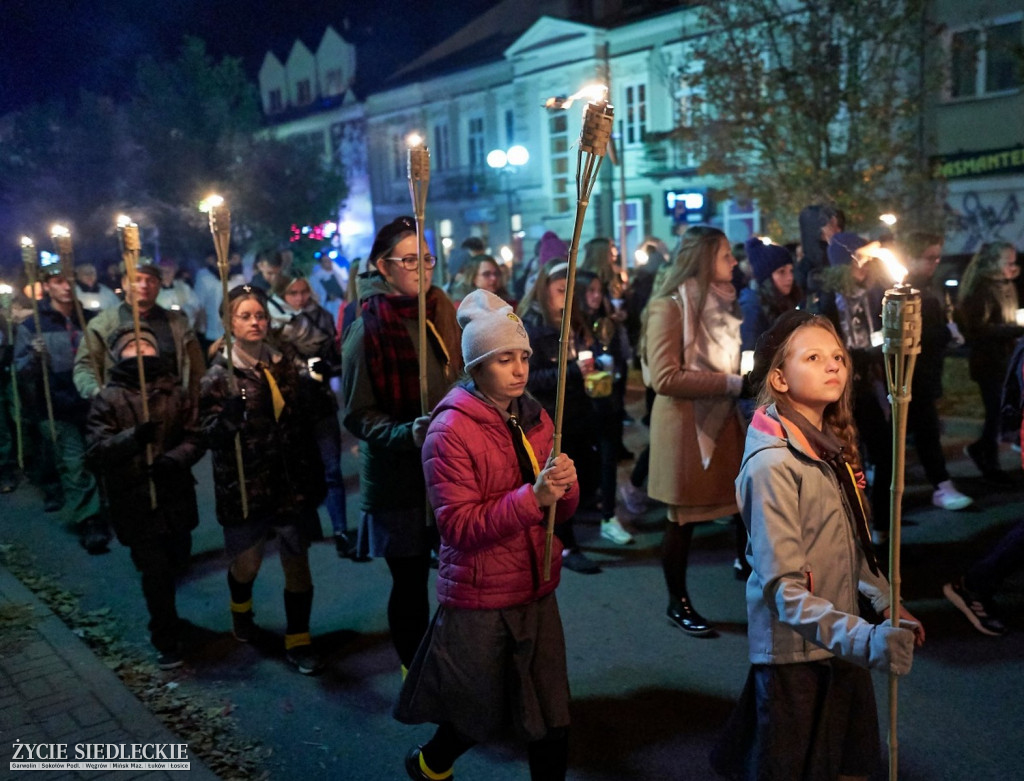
[[145, 433], [39, 345], [419, 430], [892, 648], [233, 411]]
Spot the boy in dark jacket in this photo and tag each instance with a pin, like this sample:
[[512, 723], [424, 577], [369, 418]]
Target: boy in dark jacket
[[160, 537]]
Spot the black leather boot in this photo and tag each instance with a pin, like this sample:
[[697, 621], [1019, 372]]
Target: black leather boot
[[681, 613]]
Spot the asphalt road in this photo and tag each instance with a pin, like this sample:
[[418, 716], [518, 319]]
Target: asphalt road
[[648, 701]]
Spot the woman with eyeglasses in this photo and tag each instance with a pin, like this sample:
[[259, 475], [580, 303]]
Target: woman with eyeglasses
[[380, 385], [272, 417], [482, 273]]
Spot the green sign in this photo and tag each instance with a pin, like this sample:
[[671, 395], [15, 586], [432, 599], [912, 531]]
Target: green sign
[[997, 162]]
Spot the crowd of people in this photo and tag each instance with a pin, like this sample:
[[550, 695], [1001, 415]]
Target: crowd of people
[[125, 394]]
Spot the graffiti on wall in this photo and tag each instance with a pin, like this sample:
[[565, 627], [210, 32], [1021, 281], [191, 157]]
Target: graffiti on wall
[[974, 218]]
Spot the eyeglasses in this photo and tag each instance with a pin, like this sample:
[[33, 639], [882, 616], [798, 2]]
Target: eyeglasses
[[487, 273], [411, 262], [245, 317]]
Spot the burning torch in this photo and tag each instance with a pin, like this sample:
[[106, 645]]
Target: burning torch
[[220, 227], [30, 258], [901, 335], [419, 180], [128, 238], [6, 305], [594, 137]]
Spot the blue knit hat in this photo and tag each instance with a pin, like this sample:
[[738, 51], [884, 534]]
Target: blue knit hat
[[842, 247], [766, 259]]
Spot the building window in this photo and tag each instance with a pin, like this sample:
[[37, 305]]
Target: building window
[[332, 80], [986, 60], [475, 138], [304, 94], [274, 101], [634, 123], [400, 156], [510, 128], [442, 154], [632, 211], [558, 140]]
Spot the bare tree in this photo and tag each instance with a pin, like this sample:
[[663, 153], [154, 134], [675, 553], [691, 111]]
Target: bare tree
[[804, 102]]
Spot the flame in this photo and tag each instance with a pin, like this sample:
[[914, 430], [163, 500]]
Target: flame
[[123, 221], [592, 92], [888, 218], [60, 232], [414, 140], [27, 242], [211, 201], [766, 240], [896, 269], [641, 257], [6, 290]]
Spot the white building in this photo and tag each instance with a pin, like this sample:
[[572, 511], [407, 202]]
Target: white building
[[485, 87], [311, 94]]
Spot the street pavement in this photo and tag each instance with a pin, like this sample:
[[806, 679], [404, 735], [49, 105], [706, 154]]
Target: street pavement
[[648, 702]]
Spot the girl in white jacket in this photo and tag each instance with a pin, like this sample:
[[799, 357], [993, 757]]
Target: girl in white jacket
[[808, 709]]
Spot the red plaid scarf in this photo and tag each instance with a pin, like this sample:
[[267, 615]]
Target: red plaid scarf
[[390, 353]]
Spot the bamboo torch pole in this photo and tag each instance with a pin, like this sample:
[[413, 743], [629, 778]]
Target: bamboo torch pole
[[128, 235], [220, 228], [6, 305], [30, 258], [419, 181], [901, 331], [597, 128], [62, 242]]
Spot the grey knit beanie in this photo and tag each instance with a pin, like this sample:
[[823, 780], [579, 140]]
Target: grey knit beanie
[[489, 327]]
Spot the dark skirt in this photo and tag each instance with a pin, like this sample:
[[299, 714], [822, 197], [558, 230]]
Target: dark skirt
[[811, 721], [294, 532], [485, 670]]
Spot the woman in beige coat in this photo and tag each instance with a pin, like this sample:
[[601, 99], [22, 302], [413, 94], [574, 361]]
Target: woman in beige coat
[[692, 349]]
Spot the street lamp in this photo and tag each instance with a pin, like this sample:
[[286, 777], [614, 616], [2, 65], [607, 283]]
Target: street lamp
[[508, 162]]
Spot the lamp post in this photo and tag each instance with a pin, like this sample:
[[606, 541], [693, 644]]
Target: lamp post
[[507, 162]]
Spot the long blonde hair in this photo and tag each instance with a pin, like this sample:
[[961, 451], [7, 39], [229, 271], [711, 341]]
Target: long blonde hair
[[696, 259], [838, 416], [984, 265]]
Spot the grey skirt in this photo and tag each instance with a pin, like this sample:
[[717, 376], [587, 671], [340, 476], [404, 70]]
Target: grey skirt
[[486, 670], [294, 531]]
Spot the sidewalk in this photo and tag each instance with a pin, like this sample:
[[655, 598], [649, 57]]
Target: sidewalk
[[54, 690]]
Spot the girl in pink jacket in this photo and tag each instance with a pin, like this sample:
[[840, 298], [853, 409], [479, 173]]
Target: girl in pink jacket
[[494, 655]]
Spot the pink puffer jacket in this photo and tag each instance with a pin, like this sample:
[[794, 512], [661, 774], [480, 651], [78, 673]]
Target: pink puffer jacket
[[492, 529]]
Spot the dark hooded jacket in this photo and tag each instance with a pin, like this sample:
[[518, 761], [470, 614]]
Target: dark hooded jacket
[[284, 477], [114, 452]]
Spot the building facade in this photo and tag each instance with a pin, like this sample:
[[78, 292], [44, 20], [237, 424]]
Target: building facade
[[487, 87]]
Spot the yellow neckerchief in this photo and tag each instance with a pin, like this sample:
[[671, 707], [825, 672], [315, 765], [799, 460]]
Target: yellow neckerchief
[[440, 341], [275, 394]]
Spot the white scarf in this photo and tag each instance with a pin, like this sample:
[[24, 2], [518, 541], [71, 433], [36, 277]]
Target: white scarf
[[711, 343]]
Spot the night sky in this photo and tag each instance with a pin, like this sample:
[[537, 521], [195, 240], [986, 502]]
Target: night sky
[[51, 49]]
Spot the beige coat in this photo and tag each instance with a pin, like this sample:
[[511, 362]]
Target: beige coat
[[677, 476]]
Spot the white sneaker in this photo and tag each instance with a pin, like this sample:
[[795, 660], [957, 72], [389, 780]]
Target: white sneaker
[[948, 498], [634, 499], [612, 530]]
